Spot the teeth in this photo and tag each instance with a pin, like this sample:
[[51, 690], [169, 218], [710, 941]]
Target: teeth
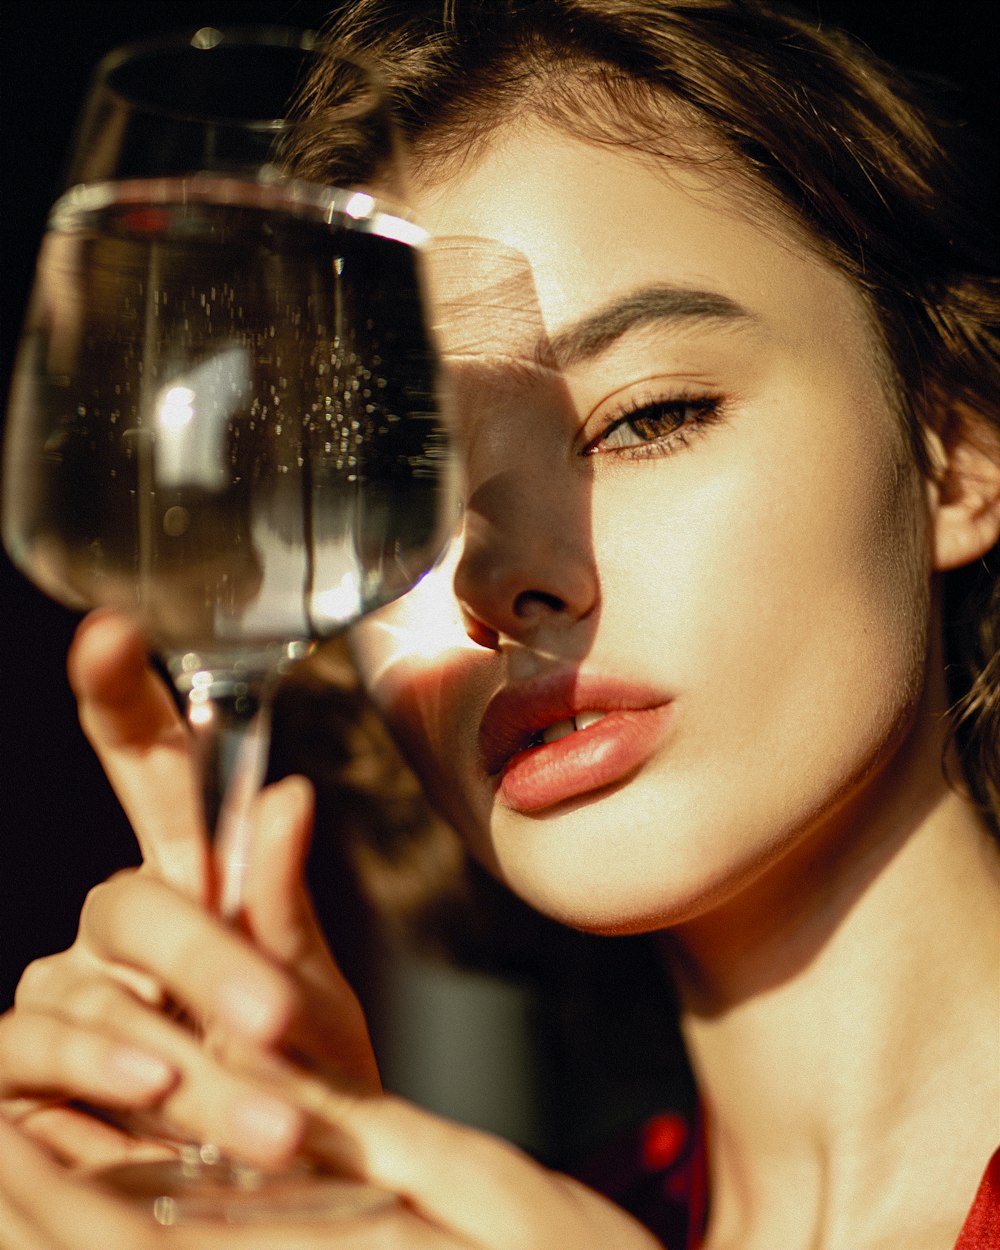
[[563, 728]]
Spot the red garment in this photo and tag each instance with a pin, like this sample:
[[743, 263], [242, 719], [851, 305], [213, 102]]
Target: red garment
[[659, 1174], [981, 1230]]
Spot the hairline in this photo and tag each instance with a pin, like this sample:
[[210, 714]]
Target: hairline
[[447, 146]]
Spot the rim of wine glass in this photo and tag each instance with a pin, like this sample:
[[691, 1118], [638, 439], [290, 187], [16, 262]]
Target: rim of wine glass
[[211, 37], [369, 213], [380, 212]]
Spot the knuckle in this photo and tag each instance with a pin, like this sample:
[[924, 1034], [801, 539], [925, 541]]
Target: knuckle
[[36, 1050], [95, 904], [10, 1026], [111, 904], [38, 980], [59, 1048], [91, 1000]]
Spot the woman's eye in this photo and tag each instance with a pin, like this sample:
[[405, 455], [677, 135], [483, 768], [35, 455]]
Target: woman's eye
[[662, 424]]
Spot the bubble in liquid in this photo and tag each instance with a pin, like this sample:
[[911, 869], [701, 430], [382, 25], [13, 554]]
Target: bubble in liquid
[[176, 521]]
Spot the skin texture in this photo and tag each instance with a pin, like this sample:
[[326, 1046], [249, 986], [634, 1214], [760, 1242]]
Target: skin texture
[[776, 557], [770, 578], [753, 565]]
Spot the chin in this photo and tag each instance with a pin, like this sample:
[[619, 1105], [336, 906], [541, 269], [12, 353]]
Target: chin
[[575, 872]]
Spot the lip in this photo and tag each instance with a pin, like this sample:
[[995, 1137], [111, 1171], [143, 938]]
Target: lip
[[531, 777]]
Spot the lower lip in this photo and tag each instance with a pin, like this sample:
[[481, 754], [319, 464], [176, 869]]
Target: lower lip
[[583, 762]]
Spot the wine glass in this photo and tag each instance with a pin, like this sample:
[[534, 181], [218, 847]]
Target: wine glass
[[224, 418]]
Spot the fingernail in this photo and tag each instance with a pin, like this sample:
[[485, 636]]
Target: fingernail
[[140, 1070], [267, 1124], [244, 1006]]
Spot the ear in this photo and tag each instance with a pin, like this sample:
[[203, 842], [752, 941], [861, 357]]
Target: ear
[[964, 488]]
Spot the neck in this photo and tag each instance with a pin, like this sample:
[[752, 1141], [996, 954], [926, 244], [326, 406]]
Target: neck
[[845, 1032]]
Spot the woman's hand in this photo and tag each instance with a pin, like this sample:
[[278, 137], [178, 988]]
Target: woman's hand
[[459, 1190], [133, 725], [46, 1206], [89, 1023], [458, 1187]]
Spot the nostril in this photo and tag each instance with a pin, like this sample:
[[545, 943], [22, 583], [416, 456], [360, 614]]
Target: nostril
[[528, 601]]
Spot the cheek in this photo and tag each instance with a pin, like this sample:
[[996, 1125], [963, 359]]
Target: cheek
[[788, 591], [788, 614], [432, 717], [423, 673]]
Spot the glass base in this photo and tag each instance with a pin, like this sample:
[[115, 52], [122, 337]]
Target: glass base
[[178, 1191]]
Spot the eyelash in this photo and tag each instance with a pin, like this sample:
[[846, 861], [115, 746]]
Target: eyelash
[[686, 416]]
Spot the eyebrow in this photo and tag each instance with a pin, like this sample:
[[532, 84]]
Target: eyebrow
[[594, 334]]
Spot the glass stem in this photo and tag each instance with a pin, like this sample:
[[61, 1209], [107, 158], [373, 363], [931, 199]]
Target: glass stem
[[229, 715]]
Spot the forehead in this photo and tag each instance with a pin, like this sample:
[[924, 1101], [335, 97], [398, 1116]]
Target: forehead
[[541, 228]]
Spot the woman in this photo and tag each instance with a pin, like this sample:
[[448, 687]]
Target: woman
[[727, 396]]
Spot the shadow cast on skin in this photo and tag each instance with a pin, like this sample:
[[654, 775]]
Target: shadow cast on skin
[[500, 374], [502, 370]]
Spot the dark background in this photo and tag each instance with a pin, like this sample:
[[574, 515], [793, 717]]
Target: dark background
[[60, 827]]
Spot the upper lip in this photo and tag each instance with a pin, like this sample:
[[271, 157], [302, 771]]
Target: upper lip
[[519, 711]]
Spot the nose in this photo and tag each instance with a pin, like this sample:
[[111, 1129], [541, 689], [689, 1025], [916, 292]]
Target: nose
[[526, 567]]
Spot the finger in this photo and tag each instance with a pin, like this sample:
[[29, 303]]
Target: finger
[[210, 969], [207, 966], [453, 1177], [46, 981], [330, 1027], [18, 1233], [140, 738], [46, 1208], [400, 1230], [238, 1111], [80, 1139], [42, 1055], [277, 910]]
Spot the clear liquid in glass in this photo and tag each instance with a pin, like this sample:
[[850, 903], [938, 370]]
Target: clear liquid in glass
[[224, 412]]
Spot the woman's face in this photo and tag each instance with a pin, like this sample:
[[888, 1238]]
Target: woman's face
[[690, 518]]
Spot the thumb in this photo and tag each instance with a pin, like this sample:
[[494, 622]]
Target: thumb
[[276, 905], [473, 1185], [330, 1031]]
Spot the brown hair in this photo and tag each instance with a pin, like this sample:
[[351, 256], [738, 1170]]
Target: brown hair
[[838, 139]]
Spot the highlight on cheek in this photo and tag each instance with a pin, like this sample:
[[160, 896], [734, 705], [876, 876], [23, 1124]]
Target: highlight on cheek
[[420, 629]]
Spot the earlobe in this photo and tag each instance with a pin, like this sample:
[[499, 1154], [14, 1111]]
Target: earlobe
[[965, 490]]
